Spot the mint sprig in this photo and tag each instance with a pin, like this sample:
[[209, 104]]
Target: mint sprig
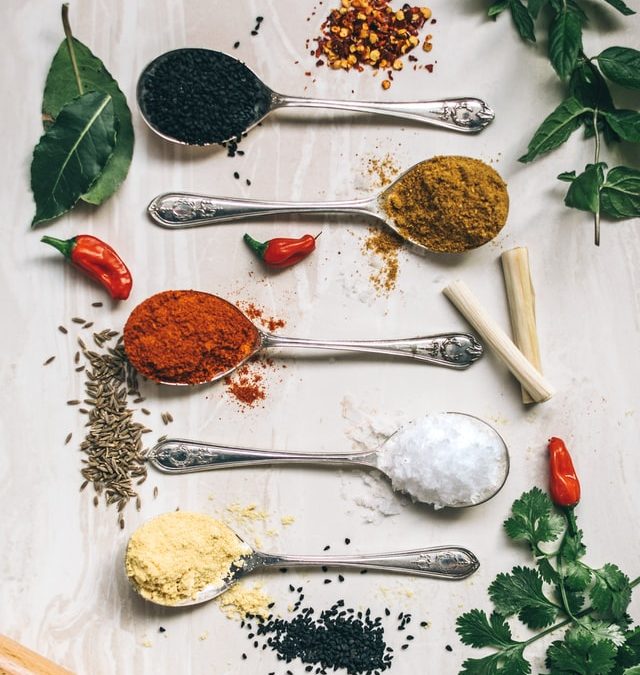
[[561, 592], [588, 103]]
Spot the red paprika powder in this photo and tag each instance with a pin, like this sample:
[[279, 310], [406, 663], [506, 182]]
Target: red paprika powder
[[187, 337]]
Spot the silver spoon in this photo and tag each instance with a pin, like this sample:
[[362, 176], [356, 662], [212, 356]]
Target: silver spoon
[[178, 456], [452, 350], [440, 562], [178, 210], [468, 115]]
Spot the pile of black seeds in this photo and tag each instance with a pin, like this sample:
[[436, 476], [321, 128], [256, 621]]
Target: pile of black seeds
[[200, 96], [338, 637]]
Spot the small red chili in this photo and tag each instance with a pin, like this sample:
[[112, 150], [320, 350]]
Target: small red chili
[[282, 251], [98, 260], [564, 484]]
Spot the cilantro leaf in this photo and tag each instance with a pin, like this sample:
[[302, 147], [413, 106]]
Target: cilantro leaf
[[532, 519], [580, 654], [509, 662], [602, 630], [577, 576], [476, 630], [621, 65], [565, 41], [547, 571], [629, 653], [555, 129], [634, 670], [611, 593], [521, 593]]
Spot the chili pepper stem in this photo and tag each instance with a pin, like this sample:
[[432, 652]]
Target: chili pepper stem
[[572, 526], [256, 246], [65, 246]]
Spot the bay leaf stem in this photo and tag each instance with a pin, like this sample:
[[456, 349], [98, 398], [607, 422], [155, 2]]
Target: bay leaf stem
[[72, 52]]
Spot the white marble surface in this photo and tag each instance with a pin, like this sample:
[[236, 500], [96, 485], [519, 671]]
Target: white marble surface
[[62, 589]]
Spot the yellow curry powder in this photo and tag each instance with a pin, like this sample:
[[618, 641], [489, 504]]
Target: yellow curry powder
[[174, 556], [449, 204]]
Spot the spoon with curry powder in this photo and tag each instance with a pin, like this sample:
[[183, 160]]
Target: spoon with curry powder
[[446, 204], [191, 337]]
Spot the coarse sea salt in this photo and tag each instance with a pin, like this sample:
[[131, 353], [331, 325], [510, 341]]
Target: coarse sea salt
[[445, 460]]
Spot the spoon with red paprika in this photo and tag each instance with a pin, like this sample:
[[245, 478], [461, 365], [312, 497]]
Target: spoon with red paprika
[[191, 337]]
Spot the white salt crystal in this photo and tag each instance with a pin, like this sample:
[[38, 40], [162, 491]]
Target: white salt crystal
[[445, 460]]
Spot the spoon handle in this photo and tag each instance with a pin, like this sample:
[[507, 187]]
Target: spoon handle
[[468, 115], [178, 210], [176, 455], [445, 562], [452, 350]]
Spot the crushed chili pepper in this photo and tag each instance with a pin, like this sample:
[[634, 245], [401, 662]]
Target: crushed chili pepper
[[98, 260], [282, 251], [370, 33], [256, 313], [563, 481]]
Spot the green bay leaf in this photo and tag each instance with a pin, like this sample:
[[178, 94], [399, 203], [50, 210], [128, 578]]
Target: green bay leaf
[[61, 87], [72, 154]]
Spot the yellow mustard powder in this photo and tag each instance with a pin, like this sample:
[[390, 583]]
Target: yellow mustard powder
[[174, 556], [242, 600]]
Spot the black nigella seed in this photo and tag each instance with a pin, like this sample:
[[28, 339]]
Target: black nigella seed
[[423, 624], [291, 588], [244, 657], [363, 571], [340, 578], [327, 581], [347, 541], [284, 569], [325, 568], [162, 629], [248, 182], [236, 44], [236, 175], [259, 19], [326, 548], [449, 648], [405, 647], [409, 637], [254, 32], [387, 611]]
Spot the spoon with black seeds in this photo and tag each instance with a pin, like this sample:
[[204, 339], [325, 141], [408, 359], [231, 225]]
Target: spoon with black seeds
[[201, 96]]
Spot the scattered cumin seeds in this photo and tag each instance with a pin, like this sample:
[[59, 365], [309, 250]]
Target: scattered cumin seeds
[[76, 358], [79, 369], [88, 324], [48, 361], [68, 438], [96, 304], [73, 401], [145, 411], [138, 504], [84, 485], [155, 491], [63, 330], [77, 319], [95, 500]]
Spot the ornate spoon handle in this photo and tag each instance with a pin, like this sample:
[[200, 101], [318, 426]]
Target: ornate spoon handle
[[468, 115], [445, 562]]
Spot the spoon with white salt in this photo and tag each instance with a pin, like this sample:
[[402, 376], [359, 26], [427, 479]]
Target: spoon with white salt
[[444, 459]]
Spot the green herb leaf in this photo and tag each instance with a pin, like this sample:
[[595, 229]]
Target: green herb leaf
[[497, 8], [621, 65], [567, 176], [621, 7], [625, 123], [61, 87], [580, 654], [610, 594], [71, 154], [535, 6], [521, 593], [602, 630], [634, 670], [629, 653], [577, 576], [476, 630], [584, 192], [522, 20], [510, 662], [555, 129], [620, 195], [532, 519], [565, 41]]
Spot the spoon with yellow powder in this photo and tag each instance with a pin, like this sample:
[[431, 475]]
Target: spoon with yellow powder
[[446, 204], [181, 558]]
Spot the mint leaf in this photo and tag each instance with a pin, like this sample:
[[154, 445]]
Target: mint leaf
[[580, 654], [532, 519], [72, 154], [498, 7], [509, 662], [620, 194], [621, 65], [567, 176], [584, 192], [521, 593], [621, 7], [535, 6], [610, 594], [565, 41], [625, 123], [476, 630], [522, 20], [555, 129]]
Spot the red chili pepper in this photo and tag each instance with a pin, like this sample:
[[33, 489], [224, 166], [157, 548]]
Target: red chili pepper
[[564, 484], [98, 260], [282, 252]]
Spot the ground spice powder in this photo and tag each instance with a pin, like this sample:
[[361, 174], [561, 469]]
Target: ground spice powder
[[187, 337], [448, 203], [174, 556]]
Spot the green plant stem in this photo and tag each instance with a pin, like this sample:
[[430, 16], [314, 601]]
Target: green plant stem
[[596, 159], [72, 52]]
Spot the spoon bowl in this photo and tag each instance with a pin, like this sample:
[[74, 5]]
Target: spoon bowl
[[216, 85], [451, 350], [440, 562], [179, 456]]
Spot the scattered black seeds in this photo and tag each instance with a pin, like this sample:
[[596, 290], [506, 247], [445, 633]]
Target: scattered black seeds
[[340, 578], [162, 630], [96, 304], [291, 588], [409, 637], [449, 648], [347, 541], [48, 361], [325, 568], [284, 569], [387, 611], [405, 647], [326, 548], [327, 581], [240, 152], [219, 97], [236, 44], [248, 182], [244, 657], [254, 32], [259, 19], [63, 330], [236, 175], [363, 571]]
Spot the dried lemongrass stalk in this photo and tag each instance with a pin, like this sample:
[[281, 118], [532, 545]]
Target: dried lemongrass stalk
[[467, 304], [522, 306]]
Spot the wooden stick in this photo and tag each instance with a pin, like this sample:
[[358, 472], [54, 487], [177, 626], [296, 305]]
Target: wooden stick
[[467, 304], [18, 660], [522, 306]]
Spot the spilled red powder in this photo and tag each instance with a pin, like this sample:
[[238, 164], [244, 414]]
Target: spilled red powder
[[255, 313]]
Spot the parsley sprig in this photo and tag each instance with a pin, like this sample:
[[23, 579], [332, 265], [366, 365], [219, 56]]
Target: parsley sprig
[[614, 192], [560, 592]]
